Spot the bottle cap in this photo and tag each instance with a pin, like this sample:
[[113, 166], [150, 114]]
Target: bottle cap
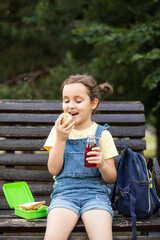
[[90, 136]]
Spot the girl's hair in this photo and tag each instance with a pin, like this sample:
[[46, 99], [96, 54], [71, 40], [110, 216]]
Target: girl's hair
[[94, 90]]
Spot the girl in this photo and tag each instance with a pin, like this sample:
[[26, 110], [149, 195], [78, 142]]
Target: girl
[[80, 191]]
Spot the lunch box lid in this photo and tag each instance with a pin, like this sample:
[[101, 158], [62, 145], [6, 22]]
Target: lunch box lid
[[17, 193]]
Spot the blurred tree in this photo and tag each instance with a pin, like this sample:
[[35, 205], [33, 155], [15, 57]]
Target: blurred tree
[[34, 36], [129, 55], [44, 41]]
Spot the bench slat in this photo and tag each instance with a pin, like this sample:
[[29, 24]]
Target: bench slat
[[11, 174], [120, 224], [4, 205], [12, 159], [42, 132], [38, 189], [24, 237], [56, 106], [35, 145], [77, 237], [24, 159], [25, 132], [127, 119]]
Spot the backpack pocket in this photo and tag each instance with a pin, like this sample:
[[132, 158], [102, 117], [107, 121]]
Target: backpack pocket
[[155, 201]]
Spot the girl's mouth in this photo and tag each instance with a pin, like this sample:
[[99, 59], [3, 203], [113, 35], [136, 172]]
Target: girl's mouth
[[74, 114]]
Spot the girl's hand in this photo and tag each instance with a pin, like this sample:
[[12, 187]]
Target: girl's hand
[[97, 158], [64, 129]]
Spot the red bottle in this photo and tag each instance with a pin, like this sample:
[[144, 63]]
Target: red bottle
[[91, 142]]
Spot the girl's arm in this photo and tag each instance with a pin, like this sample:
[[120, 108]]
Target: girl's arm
[[106, 166], [55, 160], [56, 153], [108, 171]]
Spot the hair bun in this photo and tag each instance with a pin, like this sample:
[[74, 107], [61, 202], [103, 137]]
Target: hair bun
[[107, 88]]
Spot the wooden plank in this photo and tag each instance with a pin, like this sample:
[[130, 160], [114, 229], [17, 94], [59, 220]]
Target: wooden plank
[[56, 106], [25, 131], [22, 145], [36, 145], [138, 238], [22, 225], [11, 174], [156, 173], [77, 237], [22, 237], [24, 159], [131, 131], [37, 189], [40, 189], [41, 132], [120, 224], [125, 119], [28, 159], [134, 144], [4, 205], [122, 106], [30, 106]]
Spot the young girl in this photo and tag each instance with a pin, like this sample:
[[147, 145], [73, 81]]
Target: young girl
[[80, 191]]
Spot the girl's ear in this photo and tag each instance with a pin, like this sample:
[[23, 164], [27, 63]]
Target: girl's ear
[[94, 103]]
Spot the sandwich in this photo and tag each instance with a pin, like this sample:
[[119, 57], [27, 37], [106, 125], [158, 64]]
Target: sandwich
[[32, 205]]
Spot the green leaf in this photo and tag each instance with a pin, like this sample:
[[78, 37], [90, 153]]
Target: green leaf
[[137, 57], [152, 80], [156, 108]]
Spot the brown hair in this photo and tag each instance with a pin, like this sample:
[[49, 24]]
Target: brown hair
[[94, 90]]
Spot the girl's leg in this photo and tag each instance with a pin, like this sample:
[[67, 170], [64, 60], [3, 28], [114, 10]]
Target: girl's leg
[[60, 223], [98, 224]]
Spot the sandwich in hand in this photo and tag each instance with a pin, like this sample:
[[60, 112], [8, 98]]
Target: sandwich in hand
[[32, 205]]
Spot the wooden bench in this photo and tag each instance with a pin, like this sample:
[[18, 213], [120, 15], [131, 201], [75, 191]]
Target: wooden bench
[[24, 127]]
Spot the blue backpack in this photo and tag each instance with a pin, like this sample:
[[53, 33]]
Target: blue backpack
[[137, 197]]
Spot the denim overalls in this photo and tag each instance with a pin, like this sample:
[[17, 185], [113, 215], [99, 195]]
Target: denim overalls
[[78, 188]]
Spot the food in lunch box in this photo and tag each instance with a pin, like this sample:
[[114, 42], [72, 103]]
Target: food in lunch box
[[32, 205]]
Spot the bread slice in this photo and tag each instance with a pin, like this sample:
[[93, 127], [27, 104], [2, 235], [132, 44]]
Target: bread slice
[[31, 205]]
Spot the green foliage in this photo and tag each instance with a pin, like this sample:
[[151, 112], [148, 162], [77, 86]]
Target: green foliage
[[152, 80], [151, 55], [115, 41], [129, 56]]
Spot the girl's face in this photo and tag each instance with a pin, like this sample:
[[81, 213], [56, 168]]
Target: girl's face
[[76, 101]]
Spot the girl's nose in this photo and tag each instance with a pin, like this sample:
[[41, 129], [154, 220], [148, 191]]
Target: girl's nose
[[71, 105]]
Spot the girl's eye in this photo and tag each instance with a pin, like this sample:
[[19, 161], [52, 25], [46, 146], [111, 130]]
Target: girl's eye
[[78, 101], [66, 101]]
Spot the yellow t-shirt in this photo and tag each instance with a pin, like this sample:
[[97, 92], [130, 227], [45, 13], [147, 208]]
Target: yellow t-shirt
[[106, 142]]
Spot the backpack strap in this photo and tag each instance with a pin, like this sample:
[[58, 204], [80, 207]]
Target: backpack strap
[[114, 191], [133, 214], [123, 144], [132, 201]]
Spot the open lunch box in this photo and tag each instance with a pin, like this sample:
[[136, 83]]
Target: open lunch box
[[19, 193]]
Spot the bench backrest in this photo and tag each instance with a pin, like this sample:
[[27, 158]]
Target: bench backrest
[[25, 125]]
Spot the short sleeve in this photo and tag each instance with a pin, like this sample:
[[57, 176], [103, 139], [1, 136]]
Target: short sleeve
[[50, 140], [107, 145]]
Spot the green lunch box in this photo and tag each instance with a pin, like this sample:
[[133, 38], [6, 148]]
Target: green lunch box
[[19, 193]]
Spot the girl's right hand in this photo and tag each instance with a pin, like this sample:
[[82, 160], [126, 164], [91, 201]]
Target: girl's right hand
[[63, 130]]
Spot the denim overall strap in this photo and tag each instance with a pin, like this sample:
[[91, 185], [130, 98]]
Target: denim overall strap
[[100, 129]]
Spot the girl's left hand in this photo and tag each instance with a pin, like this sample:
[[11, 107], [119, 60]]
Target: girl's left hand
[[97, 158]]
